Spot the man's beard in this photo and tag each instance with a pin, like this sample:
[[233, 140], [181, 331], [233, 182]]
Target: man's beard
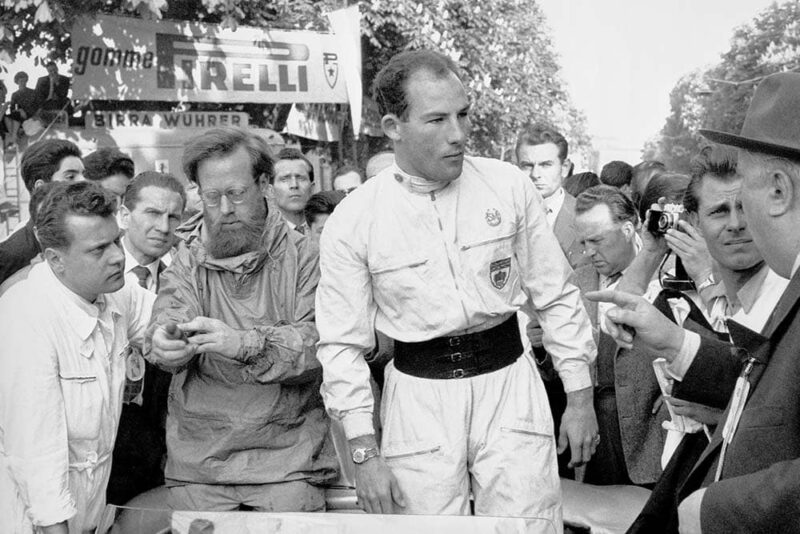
[[230, 242]]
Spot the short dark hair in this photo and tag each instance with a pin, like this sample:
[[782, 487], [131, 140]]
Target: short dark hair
[[21, 74], [345, 169], [389, 86], [50, 63], [670, 185], [152, 179], [540, 134], [643, 172], [218, 142], [41, 160], [621, 207], [70, 198], [294, 154], [616, 173], [37, 197], [105, 162], [717, 160], [578, 183], [322, 203]]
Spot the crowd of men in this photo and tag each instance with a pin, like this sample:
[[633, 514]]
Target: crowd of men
[[513, 324]]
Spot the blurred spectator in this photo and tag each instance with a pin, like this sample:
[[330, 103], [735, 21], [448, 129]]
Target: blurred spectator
[[378, 162], [643, 172], [5, 121], [319, 208], [73, 319], [234, 320], [53, 89], [290, 188], [24, 104], [578, 183], [110, 168], [346, 178], [53, 160], [617, 174]]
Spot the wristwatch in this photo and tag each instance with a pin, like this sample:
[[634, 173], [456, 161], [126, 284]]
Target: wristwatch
[[362, 454], [708, 282]]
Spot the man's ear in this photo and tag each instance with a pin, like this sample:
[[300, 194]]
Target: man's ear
[[565, 166], [628, 229], [780, 193], [391, 126], [263, 184], [124, 217], [55, 259]]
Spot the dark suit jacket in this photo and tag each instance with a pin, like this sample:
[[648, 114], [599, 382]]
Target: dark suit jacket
[[59, 94], [564, 229], [759, 490]]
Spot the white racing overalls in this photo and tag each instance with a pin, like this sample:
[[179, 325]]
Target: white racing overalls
[[420, 265]]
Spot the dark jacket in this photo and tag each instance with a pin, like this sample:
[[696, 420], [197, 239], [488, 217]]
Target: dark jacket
[[759, 490], [17, 251], [258, 420]]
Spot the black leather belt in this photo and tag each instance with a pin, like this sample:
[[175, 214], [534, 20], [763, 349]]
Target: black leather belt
[[461, 356]]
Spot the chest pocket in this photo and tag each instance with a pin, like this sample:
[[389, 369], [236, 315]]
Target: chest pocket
[[491, 264], [82, 389]]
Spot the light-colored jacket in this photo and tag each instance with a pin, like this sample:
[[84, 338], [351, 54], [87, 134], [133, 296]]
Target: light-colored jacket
[[253, 421], [62, 371], [419, 265]]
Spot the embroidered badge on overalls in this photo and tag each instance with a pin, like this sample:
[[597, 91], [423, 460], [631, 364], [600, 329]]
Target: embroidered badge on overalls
[[493, 217], [499, 271]]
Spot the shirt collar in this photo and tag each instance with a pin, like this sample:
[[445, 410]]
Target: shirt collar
[[89, 313], [417, 184], [750, 291], [554, 202], [795, 266]]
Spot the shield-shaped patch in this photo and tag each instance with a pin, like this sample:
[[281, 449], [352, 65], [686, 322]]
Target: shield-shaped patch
[[499, 271], [330, 64]]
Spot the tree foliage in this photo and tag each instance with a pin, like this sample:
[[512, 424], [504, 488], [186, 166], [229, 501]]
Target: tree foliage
[[717, 98], [503, 46]]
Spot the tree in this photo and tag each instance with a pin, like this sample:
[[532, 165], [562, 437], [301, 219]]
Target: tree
[[717, 98], [502, 46]]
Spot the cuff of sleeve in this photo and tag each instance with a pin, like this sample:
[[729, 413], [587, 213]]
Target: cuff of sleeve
[[678, 367], [357, 424], [43, 486], [575, 381], [252, 345]]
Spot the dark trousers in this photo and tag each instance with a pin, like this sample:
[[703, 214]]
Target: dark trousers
[[607, 466]]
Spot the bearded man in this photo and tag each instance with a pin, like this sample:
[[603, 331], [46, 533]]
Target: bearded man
[[234, 320]]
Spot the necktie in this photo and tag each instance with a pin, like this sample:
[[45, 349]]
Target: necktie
[[52, 93], [300, 229], [142, 273]]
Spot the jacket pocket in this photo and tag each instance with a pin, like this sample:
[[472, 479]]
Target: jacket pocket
[[83, 404]]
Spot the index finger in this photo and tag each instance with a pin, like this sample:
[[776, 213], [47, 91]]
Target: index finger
[[198, 324], [620, 298]]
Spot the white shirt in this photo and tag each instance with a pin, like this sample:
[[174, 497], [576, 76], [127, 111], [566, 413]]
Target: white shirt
[[552, 206], [419, 265], [62, 369], [131, 262], [758, 298]]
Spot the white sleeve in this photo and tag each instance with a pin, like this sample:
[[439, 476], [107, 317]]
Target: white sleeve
[[32, 418], [345, 312], [567, 331]]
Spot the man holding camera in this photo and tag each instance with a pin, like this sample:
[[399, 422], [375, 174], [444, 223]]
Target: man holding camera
[[748, 478]]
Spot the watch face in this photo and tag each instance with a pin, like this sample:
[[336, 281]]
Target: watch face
[[358, 456]]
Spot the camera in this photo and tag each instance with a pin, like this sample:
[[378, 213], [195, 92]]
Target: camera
[[663, 220]]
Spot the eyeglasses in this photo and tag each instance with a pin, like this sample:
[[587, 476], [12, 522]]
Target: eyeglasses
[[236, 195]]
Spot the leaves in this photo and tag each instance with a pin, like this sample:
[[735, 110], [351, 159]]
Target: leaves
[[503, 47], [717, 98]]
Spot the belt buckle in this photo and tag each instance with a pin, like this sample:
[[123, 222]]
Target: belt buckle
[[455, 341], [456, 357], [457, 373]]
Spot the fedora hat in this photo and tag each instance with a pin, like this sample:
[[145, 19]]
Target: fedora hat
[[772, 122]]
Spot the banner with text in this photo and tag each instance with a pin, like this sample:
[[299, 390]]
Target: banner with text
[[118, 58], [166, 120]]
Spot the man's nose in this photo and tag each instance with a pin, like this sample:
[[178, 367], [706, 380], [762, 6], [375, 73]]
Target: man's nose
[[225, 205]]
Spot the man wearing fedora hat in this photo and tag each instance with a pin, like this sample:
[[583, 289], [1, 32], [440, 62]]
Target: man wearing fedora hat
[[748, 478]]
